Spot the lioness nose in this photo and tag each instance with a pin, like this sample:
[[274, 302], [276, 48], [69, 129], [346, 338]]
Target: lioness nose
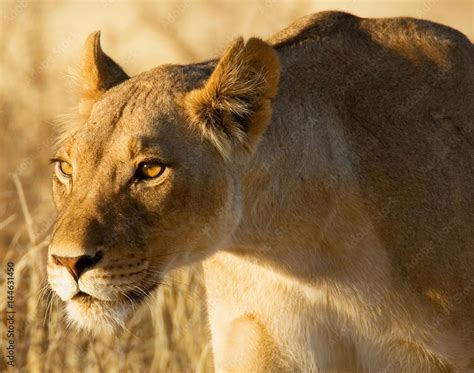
[[78, 264]]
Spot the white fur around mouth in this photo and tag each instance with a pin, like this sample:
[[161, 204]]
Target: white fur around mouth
[[96, 316], [101, 316]]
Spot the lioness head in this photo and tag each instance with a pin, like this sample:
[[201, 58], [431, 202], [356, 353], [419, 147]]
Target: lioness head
[[149, 178]]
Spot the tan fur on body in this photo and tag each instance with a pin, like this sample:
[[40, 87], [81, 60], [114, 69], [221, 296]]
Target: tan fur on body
[[334, 218]]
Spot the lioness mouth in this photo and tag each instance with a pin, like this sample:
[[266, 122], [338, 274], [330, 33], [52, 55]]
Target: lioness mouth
[[83, 296], [85, 299], [132, 297]]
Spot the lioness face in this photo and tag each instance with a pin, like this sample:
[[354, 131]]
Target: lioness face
[[138, 194], [145, 183]]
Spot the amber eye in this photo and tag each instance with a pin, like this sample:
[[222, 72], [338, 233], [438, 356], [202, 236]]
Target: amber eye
[[65, 168], [150, 170]]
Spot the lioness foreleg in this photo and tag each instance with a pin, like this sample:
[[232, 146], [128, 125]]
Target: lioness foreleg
[[248, 347]]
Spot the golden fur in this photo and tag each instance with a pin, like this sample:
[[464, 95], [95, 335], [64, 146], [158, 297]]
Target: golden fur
[[334, 218]]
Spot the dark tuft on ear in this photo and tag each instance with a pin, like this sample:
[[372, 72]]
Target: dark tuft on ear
[[234, 106]]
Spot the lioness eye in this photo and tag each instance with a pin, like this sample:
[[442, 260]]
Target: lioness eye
[[65, 168], [150, 170]]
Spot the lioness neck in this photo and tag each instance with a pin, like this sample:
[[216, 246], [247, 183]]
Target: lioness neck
[[301, 180]]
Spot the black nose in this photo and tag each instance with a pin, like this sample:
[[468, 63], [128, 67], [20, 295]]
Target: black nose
[[78, 264]]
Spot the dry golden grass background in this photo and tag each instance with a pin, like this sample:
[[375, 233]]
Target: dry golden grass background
[[40, 46]]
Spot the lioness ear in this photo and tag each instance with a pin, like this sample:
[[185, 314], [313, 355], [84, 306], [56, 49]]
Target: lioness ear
[[234, 106], [98, 74]]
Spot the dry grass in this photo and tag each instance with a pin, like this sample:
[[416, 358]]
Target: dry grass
[[40, 42]]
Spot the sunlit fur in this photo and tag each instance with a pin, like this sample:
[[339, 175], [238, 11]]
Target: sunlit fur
[[323, 177]]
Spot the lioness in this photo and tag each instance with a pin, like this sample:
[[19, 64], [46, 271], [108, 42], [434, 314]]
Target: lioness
[[324, 177]]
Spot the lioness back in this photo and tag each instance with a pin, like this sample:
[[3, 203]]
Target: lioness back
[[400, 92]]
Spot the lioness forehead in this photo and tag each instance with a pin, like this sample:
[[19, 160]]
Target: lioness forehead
[[153, 93], [133, 115]]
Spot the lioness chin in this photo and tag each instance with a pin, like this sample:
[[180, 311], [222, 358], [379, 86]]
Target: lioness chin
[[324, 177]]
